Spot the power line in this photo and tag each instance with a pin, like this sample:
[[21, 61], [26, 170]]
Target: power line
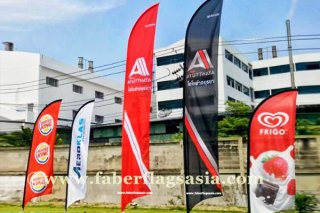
[[71, 102], [65, 74], [231, 42]]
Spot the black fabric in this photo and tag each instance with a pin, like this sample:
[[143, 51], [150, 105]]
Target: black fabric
[[201, 99]]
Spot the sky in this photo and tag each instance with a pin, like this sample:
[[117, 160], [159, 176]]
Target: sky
[[98, 30]]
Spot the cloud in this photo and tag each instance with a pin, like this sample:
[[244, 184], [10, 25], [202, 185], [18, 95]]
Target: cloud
[[293, 8], [20, 14]]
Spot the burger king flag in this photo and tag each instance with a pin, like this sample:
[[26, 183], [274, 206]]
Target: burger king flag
[[40, 162]]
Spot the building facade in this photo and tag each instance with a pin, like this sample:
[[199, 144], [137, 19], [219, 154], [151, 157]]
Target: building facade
[[273, 75], [239, 79], [29, 81], [234, 78]]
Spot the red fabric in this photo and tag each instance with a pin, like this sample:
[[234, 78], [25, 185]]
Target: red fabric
[[203, 156], [41, 153], [272, 146], [137, 99], [261, 139]]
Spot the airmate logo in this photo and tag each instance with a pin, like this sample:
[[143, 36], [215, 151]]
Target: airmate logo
[[201, 60], [139, 68], [274, 123], [38, 182], [46, 124], [42, 153]]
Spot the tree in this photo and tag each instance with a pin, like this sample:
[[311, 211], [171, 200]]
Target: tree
[[18, 138], [236, 120], [22, 138]]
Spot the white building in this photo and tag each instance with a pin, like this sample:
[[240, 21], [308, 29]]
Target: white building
[[273, 75], [29, 81], [234, 78], [238, 78]]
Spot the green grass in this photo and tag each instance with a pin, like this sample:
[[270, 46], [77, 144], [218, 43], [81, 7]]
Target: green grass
[[40, 208]]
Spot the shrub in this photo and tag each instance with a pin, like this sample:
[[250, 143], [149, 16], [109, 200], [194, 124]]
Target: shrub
[[305, 202]]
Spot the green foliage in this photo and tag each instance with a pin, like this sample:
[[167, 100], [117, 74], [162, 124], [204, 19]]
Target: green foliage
[[307, 127], [18, 138], [177, 136], [305, 202], [236, 121], [59, 140], [21, 138]]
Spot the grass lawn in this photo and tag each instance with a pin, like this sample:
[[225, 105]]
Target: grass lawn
[[16, 208]]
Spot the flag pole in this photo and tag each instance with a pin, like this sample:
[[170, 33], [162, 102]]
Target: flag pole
[[292, 69]]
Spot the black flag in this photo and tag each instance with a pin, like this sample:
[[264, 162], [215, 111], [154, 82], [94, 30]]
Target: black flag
[[201, 104]]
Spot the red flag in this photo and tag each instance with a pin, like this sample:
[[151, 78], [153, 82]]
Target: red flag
[[40, 163], [271, 148], [136, 110]]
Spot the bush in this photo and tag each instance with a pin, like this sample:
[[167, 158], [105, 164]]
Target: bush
[[305, 202]]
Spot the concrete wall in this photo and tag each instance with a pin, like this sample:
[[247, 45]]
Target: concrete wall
[[166, 160]]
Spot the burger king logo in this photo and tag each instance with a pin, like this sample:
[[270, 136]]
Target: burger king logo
[[38, 182], [42, 153], [46, 124]]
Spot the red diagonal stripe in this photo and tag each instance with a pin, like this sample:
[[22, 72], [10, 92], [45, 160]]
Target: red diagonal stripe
[[203, 156], [204, 59]]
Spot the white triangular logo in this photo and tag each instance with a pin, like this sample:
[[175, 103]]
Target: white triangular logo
[[201, 60], [139, 68]]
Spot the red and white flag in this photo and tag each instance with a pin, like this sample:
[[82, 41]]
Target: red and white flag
[[136, 110], [271, 151], [40, 163]]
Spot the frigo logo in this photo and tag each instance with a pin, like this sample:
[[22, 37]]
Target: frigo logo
[[274, 123], [139, 68]]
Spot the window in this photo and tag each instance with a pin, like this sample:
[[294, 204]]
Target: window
[[30, 107], [260, 72], [274, 91], [77, 89], [231, 99], [117, 100], [309, 89], [99, 95], [174, 104], [246, 90], [228, 55], [171, 59], [165, 85], [237, 62], [245, 67], [52, 82], [238, 86], [74, 113], [250, 74], [279, 69], [262, 94], [98, 119], [308, 66], [252, 94], [230, 81], [117, 120]]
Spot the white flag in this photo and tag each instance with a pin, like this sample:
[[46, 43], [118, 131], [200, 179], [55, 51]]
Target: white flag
[[77, 172]]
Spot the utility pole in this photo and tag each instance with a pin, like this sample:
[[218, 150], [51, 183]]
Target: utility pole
[[292, 69]]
